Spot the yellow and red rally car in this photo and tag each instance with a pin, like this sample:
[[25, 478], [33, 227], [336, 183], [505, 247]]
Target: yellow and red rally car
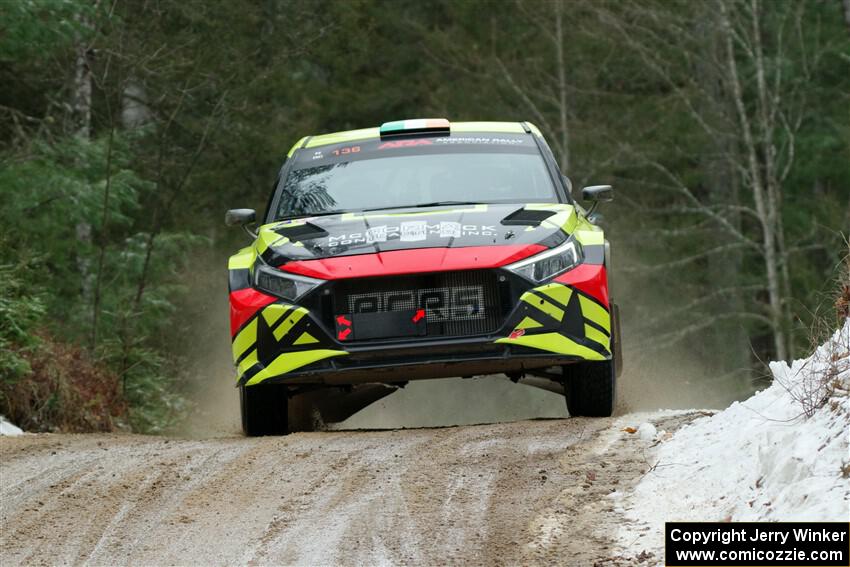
[[420, 249]]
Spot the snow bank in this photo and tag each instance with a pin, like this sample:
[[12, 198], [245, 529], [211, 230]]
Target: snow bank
[[9, 428], [761, 459]]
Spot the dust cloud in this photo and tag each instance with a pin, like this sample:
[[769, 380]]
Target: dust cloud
[[208, 371], [213, 396], [670, 379], [693, 372], [458, 401]]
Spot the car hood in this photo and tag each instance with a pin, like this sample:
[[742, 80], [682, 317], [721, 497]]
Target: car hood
[[507, 226]]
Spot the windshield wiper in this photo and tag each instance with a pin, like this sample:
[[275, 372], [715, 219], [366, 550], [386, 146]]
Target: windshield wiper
[[316, 214], [442, 203], [432, 204], [341, 211]]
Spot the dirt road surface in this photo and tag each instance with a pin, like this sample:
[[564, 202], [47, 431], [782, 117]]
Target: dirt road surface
[[530, 492]]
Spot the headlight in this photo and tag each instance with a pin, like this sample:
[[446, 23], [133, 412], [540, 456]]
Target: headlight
[[549, 264], [281, 284]]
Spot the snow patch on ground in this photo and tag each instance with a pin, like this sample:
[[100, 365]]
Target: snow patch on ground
[[8, 428], [624, 425], [760, 459], [647, 431]]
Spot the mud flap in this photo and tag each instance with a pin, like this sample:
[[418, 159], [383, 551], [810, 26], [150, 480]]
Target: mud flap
[[616, 340]]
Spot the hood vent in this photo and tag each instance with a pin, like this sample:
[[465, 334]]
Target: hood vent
[[306, 231], [525, 217]]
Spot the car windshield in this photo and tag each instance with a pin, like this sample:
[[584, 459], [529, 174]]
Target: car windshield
[[415, 180]]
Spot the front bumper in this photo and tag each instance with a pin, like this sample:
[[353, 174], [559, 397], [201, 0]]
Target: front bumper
[[424, 361], [561, 322]]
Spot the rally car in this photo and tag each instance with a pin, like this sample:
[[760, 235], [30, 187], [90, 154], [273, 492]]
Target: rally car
[[420, 249]]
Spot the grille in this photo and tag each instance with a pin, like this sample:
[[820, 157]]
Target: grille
[[456, 303]]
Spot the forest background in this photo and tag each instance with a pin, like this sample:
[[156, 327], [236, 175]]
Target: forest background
[[128, 127]]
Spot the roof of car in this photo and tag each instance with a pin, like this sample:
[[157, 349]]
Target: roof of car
[[370, 133]]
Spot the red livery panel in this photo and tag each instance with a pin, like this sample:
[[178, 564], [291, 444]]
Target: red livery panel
[[243, 304], [589, 278], [399, 262]]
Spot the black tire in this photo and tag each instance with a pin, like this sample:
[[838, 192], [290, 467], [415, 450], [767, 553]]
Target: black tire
[[264, 409], [590, 388]]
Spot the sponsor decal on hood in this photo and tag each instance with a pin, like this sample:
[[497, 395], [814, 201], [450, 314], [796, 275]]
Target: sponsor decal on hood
[[347, 234]]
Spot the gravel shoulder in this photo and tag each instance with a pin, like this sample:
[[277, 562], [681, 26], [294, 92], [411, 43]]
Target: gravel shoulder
[[530, 492]]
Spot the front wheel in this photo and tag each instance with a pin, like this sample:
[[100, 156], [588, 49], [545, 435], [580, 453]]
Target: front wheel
[[589, 388], [264, 409]]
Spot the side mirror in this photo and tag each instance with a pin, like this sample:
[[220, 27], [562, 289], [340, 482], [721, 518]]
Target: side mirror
[[241, 217], [598, 193]]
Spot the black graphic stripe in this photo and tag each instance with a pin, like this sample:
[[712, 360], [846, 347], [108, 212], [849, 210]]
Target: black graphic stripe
[[597, 326]]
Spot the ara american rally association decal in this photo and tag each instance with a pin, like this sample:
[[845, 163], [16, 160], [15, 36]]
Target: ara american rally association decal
[[412, 231]]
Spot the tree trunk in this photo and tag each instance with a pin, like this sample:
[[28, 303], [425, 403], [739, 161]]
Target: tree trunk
[[562, 86], [103, 241], [766, 116], [81, 94], [765, 206], [81, 108]]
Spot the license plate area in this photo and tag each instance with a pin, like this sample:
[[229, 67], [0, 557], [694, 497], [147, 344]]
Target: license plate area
[[456, 304], [381, 325]]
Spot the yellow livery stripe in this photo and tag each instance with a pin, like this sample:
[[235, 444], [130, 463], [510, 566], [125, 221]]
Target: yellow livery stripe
[[245, 339], [247, 363], [296, 146], [535, 129], [554, 342], [375, 133], [589, 237], [267, 239], [595, 312], [242, 260], [556, 291], [598, 336], [528, 323], [564, 220], [555, 312], [274, 312], [290, 322], [340, 137], [306, 339], [289, 361]]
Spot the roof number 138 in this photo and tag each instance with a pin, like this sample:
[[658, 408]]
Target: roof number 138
[[346, 151]]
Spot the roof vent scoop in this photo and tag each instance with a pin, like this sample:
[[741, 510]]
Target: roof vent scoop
[[434, 126], [526, 217]]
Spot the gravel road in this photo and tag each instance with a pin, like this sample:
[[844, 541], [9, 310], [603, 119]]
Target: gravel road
[[527, 492]]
